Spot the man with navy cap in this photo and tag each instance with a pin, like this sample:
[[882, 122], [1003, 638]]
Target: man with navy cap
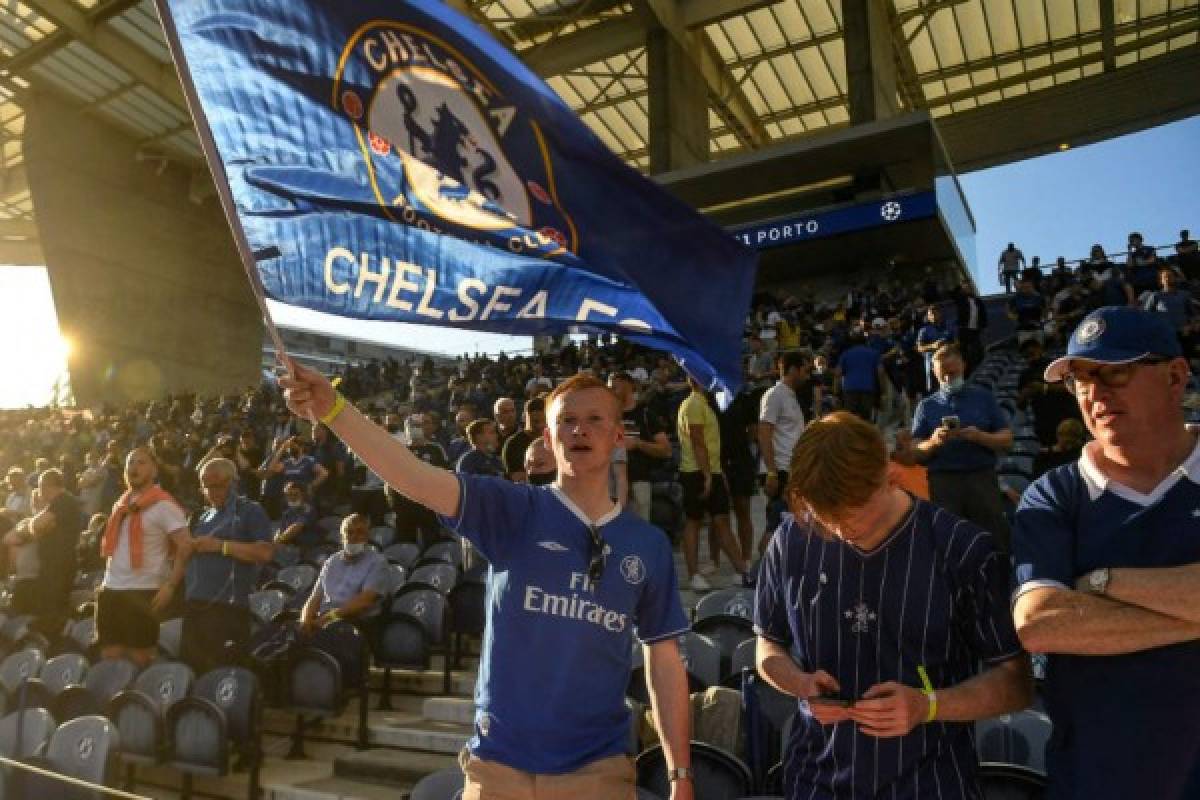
[[1107, 555]]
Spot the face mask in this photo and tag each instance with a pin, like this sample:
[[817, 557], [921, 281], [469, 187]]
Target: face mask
[[295, 503], [955, 384], [542, 478], [355, 549]]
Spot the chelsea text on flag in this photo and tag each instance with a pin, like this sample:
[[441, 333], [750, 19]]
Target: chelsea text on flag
[[390, 161]]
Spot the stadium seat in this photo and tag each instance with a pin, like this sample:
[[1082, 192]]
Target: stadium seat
[[437, 575], [286, 555], [447, 551], [222, 714], [83, 748], [81, 635], [36, 726], [405, 554], [701, 658], [18, 668], [398, 575], [1018, 739], [348, 644], [314, 688], [467, 603], [718, 775], [1010, 782], [728, 632], [445, 784], [170, 638], [295, 580], [102, 682], [15, 629], [382, 537], [401, 646], [744, 657], [140, 714], [267, 604], [54, 676], [734, 601]]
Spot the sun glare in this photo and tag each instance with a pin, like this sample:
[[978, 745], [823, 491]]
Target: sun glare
[[33, 359]]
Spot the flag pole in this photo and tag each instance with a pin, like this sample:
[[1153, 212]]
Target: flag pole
[[217, 168]]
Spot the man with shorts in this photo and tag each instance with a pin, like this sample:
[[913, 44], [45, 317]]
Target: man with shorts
[[704, 489], [738, 424], [888, 617], [572, 578], [1108, 570], [780, 422], [646, 445], [140, 577]]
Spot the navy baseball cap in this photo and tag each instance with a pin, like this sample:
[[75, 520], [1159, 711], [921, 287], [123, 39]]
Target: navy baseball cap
[[1117, 335]]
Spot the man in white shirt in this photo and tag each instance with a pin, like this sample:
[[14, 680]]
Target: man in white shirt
[[781, 421], [140, 578]]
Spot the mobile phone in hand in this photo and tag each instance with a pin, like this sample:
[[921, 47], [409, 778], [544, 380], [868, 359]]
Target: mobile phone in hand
[[830, 700], [951, 423]]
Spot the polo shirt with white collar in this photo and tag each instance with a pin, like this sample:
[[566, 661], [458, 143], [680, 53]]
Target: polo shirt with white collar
[[1128, 725], [558, 650]]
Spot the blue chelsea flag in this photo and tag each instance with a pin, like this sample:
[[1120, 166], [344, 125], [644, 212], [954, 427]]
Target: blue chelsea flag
[[389, 160]]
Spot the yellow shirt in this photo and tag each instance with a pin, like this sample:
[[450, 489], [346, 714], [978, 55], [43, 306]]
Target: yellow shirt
[[789, 335], [696, 411]]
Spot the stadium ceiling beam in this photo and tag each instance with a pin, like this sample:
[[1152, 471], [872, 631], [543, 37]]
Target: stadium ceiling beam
[[1108, 38], [473, 13], [539, 25], [926, 10], [47, 45], [18, 230], [1168, 18], [14, 182], [1062, 66], [144, 68], [724, 92]]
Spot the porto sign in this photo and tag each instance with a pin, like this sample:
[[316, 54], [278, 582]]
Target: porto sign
[[835, 221]]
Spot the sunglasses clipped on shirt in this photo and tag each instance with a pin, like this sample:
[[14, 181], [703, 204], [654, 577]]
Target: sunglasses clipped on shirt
[[596, 555], [1111, 376]]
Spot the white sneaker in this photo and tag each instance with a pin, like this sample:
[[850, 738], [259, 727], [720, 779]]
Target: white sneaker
[[699, 584], [708, 570]]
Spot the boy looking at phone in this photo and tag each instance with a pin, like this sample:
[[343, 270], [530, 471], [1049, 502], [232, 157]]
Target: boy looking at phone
[[960, 431], [875, 608]]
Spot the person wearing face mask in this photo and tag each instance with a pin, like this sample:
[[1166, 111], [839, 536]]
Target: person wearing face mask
[[298, 523], [232, 538], [540, 469], [351, 583], [960, 431]]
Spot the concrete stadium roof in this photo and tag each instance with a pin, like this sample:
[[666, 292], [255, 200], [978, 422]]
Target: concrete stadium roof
[[775, 71]]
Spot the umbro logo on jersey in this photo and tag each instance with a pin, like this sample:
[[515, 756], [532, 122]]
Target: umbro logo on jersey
[[553, 547]]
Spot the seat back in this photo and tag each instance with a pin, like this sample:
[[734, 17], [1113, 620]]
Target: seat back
[[718, 775], [468, 607], [701, 657], [236, 692], [382, 536], [744, 657], [198, 737], [405, 554], [139, 722], [300, 577], [445, 784], [170, 637], [446, 551], [267, 604], [286, 555], [315, 683], [440, 576], [728, 632], [83, 748], [109, 676], [165, 683], [19, 667], [61, 671], [1018, 739], [1010, 782], [734, 601], [82, 634], [36, 726], [427, 606], [403, 642]]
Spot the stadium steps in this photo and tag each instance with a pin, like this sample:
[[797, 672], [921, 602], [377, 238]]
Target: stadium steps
[[389, 768]]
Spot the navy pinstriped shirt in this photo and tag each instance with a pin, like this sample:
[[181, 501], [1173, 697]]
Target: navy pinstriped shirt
[[935, 593]]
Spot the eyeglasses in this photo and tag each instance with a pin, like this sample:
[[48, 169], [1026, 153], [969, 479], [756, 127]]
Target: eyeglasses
[[596, 562], [1111, 376]]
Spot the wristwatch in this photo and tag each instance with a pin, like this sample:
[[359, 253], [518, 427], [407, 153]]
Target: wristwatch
[[680, 774], [1097, 580]]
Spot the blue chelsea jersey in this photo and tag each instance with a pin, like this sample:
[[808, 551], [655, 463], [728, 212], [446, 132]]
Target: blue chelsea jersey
[[557, 651]]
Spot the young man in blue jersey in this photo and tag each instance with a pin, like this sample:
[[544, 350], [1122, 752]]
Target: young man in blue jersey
[[876, 609], [573, 578], [1108, 570]]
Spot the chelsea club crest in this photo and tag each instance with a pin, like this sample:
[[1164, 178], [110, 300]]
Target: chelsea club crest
[[444, 149]]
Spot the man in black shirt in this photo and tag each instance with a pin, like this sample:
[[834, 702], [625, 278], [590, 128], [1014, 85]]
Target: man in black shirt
[[56, 531], [513, 451], [646, 444], [414, 522], [738, 424]]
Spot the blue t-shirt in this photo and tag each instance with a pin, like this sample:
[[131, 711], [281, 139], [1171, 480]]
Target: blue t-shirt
[[1175, 305], [934, 334], [557, 652], [934, 594], [302, 470], [975, 407], [1128, 725], [310, 535], [858, 366], [214, 578], [477, 462]]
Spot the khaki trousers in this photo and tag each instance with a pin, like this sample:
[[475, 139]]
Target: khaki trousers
[[607, 779]]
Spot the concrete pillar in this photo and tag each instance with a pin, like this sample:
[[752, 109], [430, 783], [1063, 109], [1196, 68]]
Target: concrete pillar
[[870, 61], [678, 126], [146, 283]]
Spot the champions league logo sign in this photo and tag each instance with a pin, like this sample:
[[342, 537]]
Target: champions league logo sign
[[439, 143]]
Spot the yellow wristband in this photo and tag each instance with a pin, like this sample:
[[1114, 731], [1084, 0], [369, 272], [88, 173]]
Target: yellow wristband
[[225, 548], [339, 405], [334, 616], [930, 694]]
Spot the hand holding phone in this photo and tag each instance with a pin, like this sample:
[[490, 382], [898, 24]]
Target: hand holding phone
[[951, 423], [830, 700]]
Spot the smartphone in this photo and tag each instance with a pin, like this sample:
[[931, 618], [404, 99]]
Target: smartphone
[[951, 423], [830, 700]]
